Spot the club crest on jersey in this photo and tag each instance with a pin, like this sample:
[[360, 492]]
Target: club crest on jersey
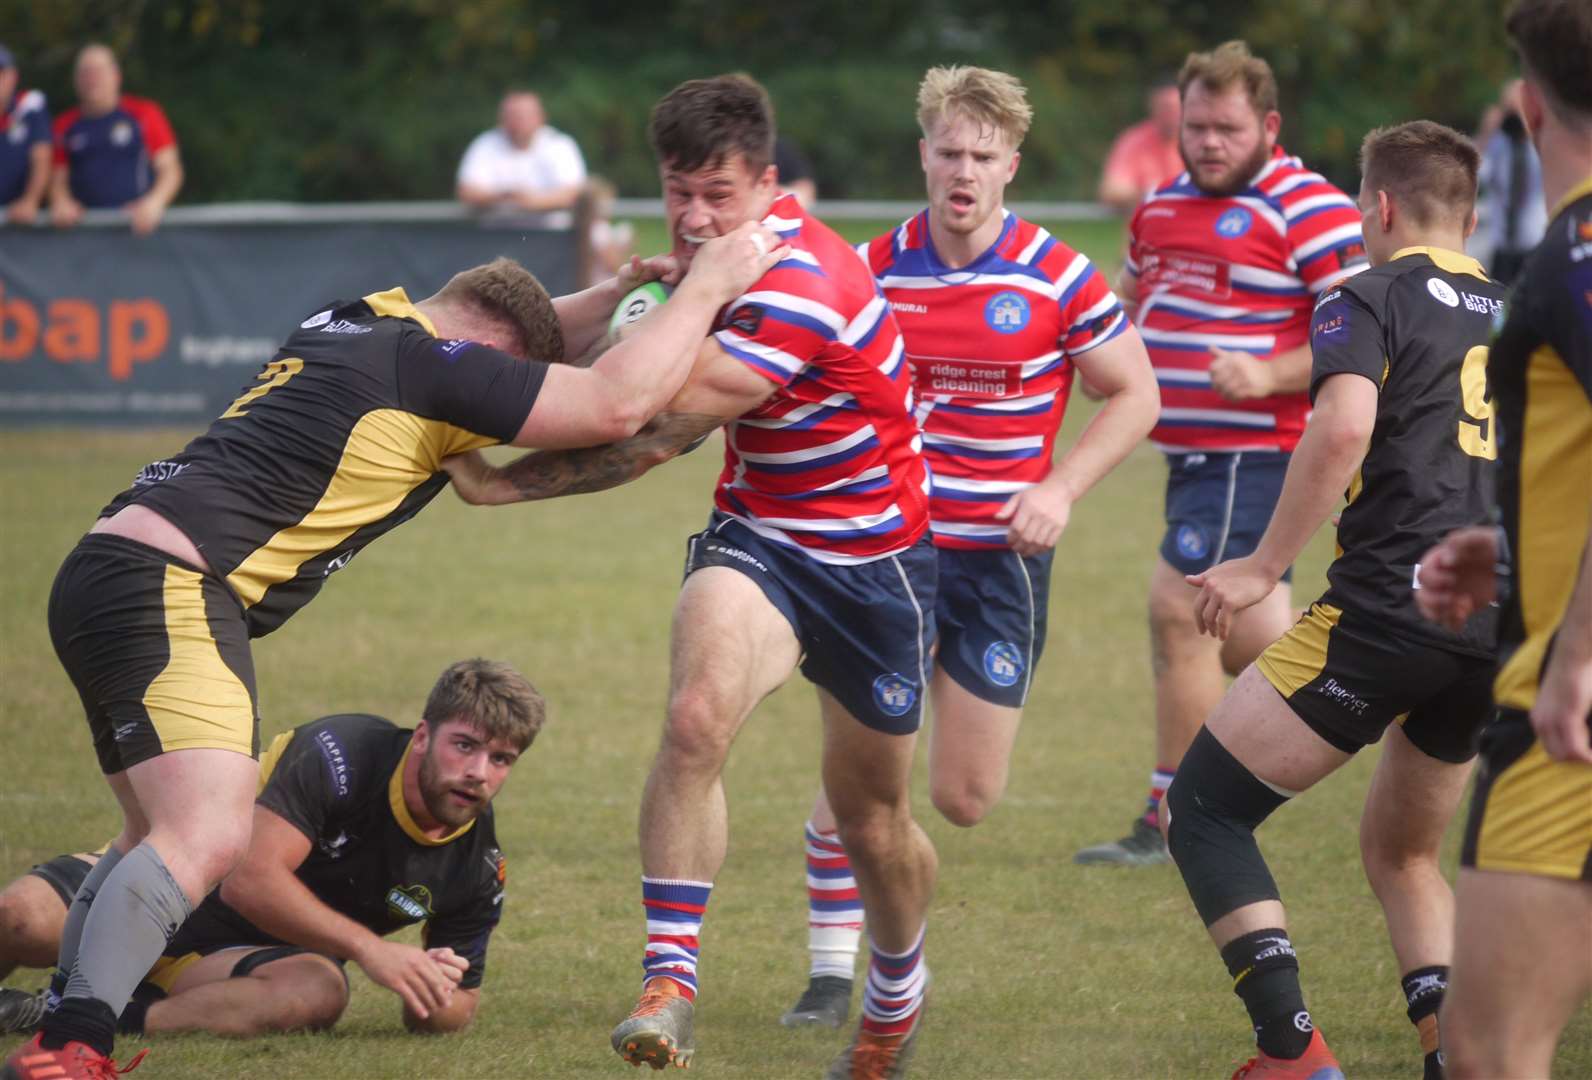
[[1442, 291], [1191, 542], [894, 695], [1003, 663], [746, 318], [1234, 223], [1007, 312], [316, 320], [412, 902]]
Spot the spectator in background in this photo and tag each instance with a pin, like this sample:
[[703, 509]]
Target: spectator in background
[[24, 145], [523, 164], [1145, 155], [112, 149], [795, 172], [1513, 214]]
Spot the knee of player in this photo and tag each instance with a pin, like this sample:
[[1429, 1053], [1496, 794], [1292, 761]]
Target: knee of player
[[1387, 856], [27, 930], [964, 803], [698, 726], [1172, 619], [314, 997]]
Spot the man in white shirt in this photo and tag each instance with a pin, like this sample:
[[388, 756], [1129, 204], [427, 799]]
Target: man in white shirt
[[523, 164]]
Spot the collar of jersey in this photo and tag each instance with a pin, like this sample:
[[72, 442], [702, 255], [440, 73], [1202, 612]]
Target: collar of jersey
[[1452, 261], [1583, 188], [937, 265], [395, 302], [400, 809]]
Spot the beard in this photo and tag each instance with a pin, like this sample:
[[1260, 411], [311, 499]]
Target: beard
[[434, 791], [1237, 180]]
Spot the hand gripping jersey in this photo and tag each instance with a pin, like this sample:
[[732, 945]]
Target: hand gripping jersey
[[1540, 375], [339, 440], [831, 462], [990, 346], [339, 781], [1417, 327], [1239, 272]]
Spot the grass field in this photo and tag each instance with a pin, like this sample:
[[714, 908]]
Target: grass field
[[1042, 969]]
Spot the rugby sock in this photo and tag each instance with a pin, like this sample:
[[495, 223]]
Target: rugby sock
[[674, 925], [1265, 971], [1423, 992], [1160, 780], [131, 1022], [138, 909], [76, 915], [893, 996], [834, 910]]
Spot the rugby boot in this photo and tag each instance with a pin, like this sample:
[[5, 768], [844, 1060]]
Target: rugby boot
[[20, 1011], [1316, 1063], [1143, 846], [825, 1002], [876, 1057], [658, 1030], [74, 1061]]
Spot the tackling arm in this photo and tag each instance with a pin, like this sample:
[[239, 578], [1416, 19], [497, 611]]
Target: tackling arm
[[720, 388]]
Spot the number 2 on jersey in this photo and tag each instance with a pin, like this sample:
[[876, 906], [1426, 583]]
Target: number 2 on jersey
[[278, 372], [1476, 434]]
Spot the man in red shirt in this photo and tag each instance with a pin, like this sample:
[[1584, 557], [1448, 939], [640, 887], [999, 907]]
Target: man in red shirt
[[1144, 156], [112, 149]]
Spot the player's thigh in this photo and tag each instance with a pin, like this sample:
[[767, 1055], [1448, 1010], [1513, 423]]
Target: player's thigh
[[1412, 799], [1268, 738], [866, 769], [1257, 627], [1518, 973], [971, 739], [730, 644]]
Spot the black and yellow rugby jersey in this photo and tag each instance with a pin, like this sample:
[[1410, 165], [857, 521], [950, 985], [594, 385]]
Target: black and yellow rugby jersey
[[1540, 373], [338, 440], [339, 781], [1417, 327]]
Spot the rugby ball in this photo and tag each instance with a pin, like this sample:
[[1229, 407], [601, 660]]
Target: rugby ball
[[637, 302]]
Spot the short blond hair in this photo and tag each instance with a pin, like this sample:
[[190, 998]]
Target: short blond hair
[[491, 697], [504, 293], [1231, 64], [984, 96]]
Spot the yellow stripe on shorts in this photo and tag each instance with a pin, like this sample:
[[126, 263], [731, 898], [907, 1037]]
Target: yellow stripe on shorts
[[196, 702], [1296, 659], [1538, 818]]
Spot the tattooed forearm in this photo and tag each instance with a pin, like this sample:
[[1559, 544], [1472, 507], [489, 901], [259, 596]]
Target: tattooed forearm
[[551, 473]]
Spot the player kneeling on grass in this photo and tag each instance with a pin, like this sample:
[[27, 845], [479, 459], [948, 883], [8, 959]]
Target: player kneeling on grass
[[361, 828], [1402, 423]]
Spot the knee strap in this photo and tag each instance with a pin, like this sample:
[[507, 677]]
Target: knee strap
[[1215, 805]]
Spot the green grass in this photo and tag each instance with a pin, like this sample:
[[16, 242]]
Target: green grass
[[1043, 969]]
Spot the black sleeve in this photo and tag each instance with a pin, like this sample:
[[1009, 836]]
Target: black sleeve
[[468, 930], [313, 774], [469, 385], [1346, 336], [1561, 292]]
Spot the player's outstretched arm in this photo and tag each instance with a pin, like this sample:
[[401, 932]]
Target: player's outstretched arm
[[1322, 467], [720, 388], [1120, 370], [628, 384]]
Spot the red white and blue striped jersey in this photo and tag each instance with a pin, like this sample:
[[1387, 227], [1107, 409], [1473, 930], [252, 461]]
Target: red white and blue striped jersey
[[1240, 272], [991, 345], [832, 461]]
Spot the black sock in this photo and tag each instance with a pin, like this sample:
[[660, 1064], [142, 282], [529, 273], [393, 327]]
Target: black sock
[[1423, 992], [77, 1019], [132, 1019], [1265, 973]]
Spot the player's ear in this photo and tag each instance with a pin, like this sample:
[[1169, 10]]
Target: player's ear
[[923, 154], [1011, 172], [1384, 211], [422, 737], [1271, 124], [1470, 223]]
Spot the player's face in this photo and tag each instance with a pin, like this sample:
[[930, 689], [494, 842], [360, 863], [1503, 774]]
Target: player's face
[[1224, 140], [714, 200], [967, 166], [461, 771]]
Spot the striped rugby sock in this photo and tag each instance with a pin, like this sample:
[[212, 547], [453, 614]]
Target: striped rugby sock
[[894, 993], [834, 911], [1160, 780], [674, 924]]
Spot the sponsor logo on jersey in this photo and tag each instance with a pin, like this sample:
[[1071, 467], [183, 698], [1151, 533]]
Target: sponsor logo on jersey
[[1234, 223], [451, 349], [1007, 312], [121, 133], [1329, 324], [343, 326], [336, 760], [1484, 305], [1185, 270], [17, 132], [320, 319], [746, 318], [725, 551], [500, 866], [156, 471], [1003, 663], [411, 902], [338, 563], [966, 378], [908, 307], [894, 695], [1344, 696], [1191, 542], [1442, 291]]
